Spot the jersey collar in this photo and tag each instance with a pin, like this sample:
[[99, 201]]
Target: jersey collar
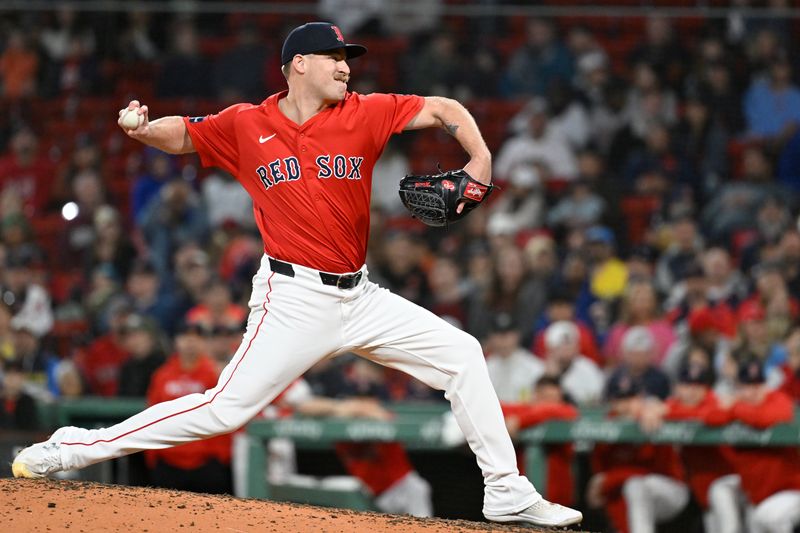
[[272, 108]]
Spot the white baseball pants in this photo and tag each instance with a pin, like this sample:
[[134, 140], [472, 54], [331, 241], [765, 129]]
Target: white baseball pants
[[411, 495], [295, 322], [780, 513], [725, 505], [652, 499]]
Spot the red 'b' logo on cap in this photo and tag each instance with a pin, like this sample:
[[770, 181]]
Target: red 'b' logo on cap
[[338, 32]]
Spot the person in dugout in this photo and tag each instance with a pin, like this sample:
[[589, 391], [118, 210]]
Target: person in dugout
[[770, 476], [383, 468], [640, 485], [200, 466], [710, 470], [547, 403]]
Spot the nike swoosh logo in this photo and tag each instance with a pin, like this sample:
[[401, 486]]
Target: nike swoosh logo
[[262, 140]]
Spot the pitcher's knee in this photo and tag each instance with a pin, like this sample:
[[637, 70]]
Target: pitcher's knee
[[228, 416], [468, 348]]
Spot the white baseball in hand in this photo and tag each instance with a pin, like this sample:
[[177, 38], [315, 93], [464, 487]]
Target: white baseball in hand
[[131, 119]]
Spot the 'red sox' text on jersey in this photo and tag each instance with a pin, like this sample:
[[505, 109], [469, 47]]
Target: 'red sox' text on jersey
[[310, 183]]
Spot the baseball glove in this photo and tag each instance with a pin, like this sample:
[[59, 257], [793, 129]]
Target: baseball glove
[[434, 198]]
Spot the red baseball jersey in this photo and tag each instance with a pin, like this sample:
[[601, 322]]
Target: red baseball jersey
[[310, 183]]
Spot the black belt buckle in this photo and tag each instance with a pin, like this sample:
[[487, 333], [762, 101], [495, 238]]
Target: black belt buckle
[[348, 281]]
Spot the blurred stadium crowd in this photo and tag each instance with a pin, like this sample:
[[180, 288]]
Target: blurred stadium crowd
[[643, 251]]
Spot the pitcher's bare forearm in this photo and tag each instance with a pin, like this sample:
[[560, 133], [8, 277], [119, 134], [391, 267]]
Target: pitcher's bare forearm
[[454, 118], [168, 134]]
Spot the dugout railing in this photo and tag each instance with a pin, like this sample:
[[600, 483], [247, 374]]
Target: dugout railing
[[419, 426]]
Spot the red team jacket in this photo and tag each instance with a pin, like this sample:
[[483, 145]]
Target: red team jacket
[[172, 381], [379, 465], [560, 481], [310, 183], [765, 470], [791, 382], [703, 464]]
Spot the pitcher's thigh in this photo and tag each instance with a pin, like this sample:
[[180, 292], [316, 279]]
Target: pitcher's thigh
[[398, 333]]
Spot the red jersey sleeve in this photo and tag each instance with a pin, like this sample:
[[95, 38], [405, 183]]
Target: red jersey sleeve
[[531, 415], [775, 409], [680, 411], [214, 138], [388, 114]]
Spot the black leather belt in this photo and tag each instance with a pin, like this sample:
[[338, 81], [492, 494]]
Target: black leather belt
[[341, 281]]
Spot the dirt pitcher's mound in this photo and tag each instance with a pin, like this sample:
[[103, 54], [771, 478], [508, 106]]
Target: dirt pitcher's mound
[[75, 507]]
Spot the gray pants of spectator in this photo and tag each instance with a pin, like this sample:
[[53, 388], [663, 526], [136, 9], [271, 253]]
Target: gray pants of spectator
[[725, 505], [780, 513], [411, 495], [652, 499]]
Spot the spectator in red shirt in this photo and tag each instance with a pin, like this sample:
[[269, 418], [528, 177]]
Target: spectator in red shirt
[[26, 174], [100, 362], [201, 466], [546, 404], [640, 485]]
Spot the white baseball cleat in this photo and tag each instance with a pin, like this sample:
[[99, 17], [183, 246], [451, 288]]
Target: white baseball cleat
[[41, 459], [541, 513]]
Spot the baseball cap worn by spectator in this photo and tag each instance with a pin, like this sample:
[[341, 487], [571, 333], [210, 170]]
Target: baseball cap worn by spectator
[[600, 235], [694, 373], [701, 320], [751, 311], [186, 327], [561, 333], [638, 339], [136, 322], [622, 386], [751, 372], [316, 37], [503, 323], [143, 266]]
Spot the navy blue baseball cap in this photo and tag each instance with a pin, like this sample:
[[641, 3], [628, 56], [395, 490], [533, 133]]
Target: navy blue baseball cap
[[622, 385], [695, 374], [316, 37], [751, 372]]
